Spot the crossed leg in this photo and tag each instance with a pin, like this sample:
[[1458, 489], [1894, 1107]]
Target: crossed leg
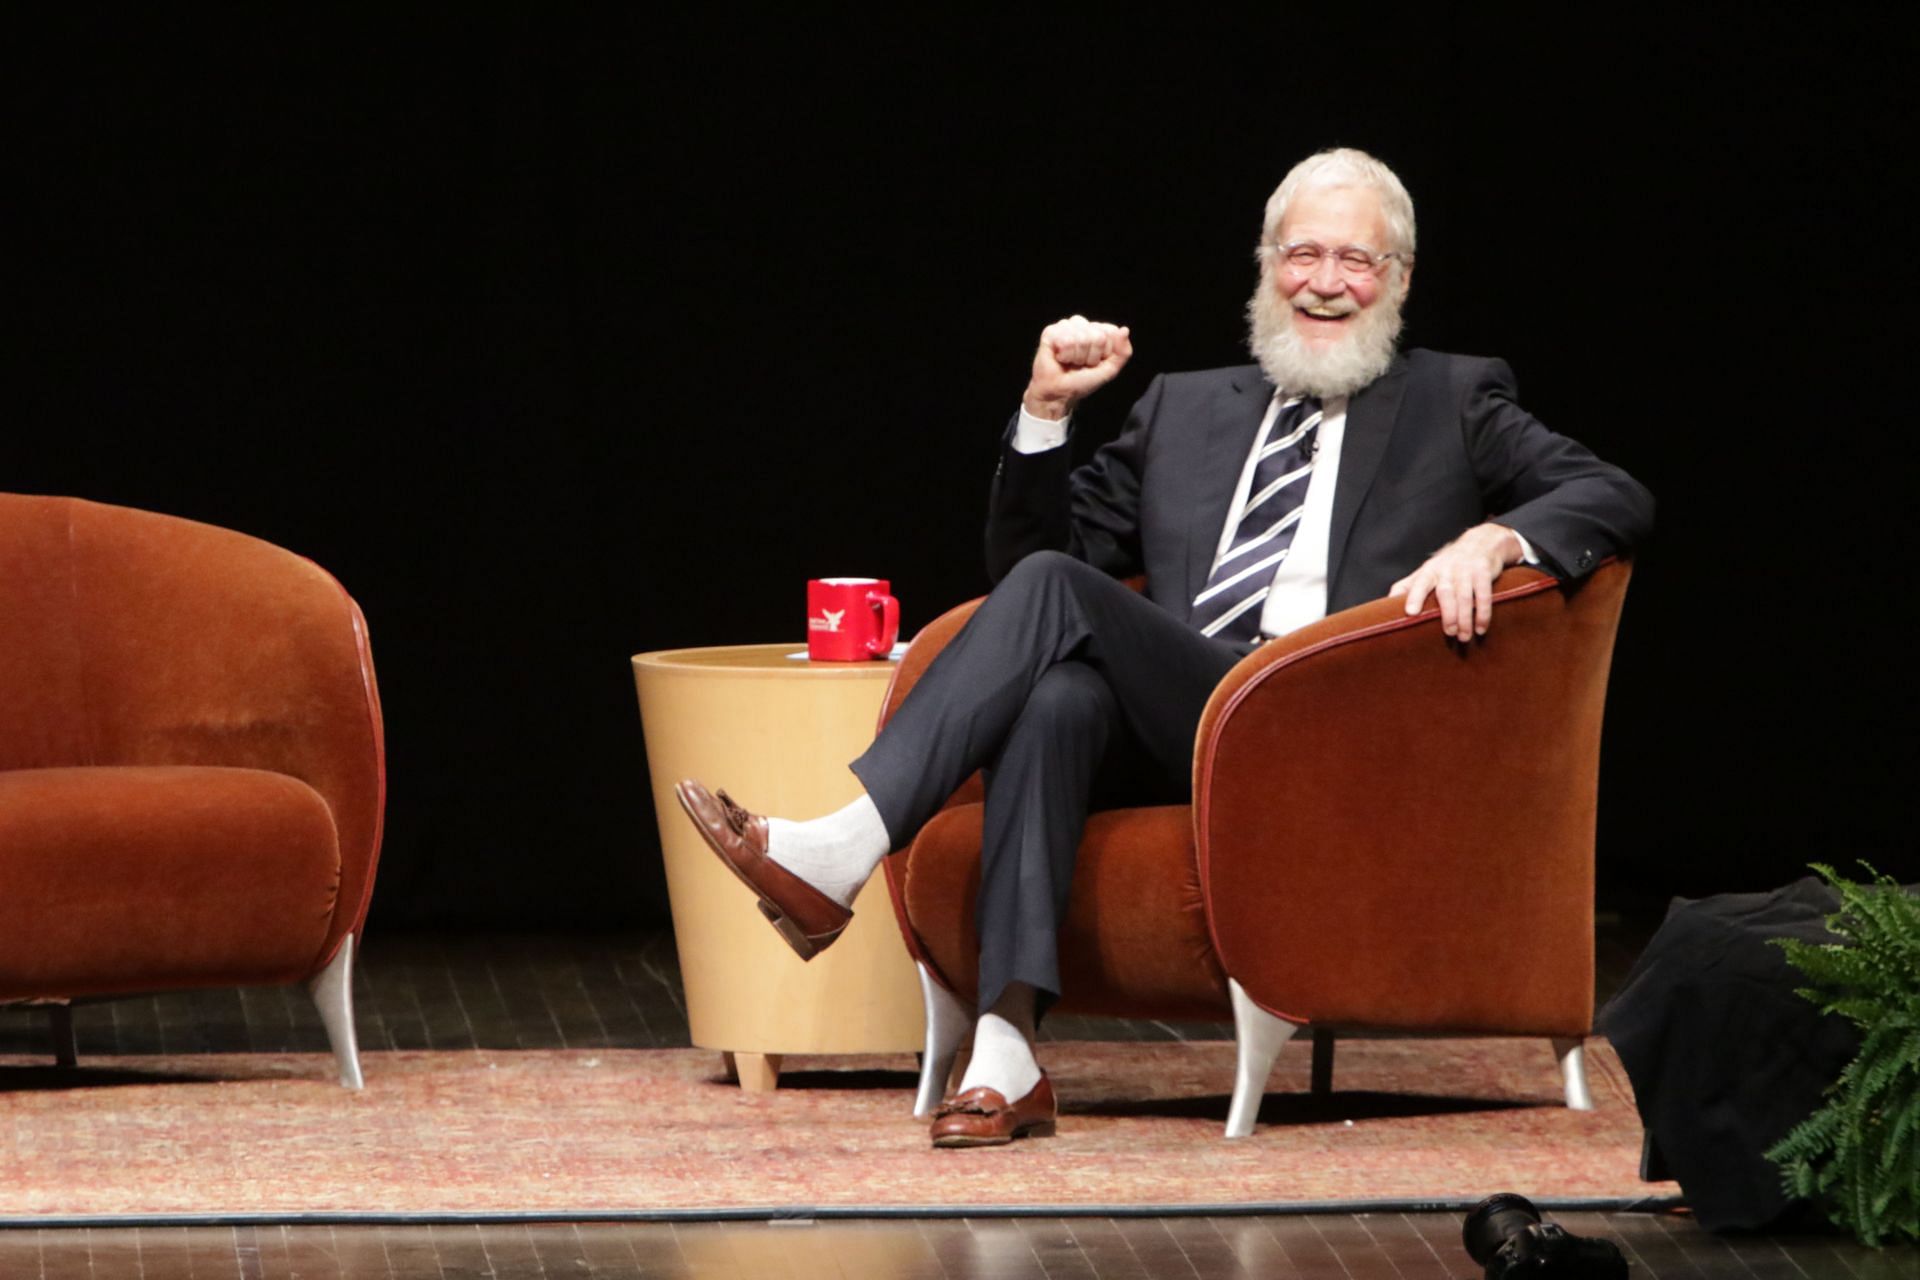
[[1071, 691]]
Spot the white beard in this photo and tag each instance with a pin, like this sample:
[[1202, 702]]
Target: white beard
[[1350, 364]]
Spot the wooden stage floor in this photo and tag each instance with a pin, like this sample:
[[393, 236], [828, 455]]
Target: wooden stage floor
[[425, 991]]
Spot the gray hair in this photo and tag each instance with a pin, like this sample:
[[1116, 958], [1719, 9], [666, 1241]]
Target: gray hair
[[1345, 167]]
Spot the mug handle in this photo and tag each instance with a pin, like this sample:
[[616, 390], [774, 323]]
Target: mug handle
[[889, 611]]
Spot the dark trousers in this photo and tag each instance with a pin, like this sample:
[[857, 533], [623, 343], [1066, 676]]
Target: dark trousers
[[1073, 693]]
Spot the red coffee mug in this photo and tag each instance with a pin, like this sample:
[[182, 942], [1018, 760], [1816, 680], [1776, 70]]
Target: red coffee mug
[[850, 619]]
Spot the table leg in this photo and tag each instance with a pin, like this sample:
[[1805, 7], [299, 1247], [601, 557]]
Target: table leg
[[66, 1050], [754, 1072], [1322, 1078]]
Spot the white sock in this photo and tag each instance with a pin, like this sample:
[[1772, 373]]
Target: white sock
[[835, 854], [1003, 1047]]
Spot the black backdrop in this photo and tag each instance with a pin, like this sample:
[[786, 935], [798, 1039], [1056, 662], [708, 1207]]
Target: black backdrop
[[561, 338]]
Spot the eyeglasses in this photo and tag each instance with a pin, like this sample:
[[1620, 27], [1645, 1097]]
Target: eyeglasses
[[1355, 263]]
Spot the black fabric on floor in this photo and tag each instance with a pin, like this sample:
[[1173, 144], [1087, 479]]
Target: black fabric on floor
[[1724, 1056]]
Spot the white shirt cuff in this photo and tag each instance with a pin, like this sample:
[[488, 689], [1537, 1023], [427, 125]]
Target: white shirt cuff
[[1037, 435], [1526, 548]]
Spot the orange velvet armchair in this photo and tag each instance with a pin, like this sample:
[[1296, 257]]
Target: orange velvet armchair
[[191, 763], [1388, 831]]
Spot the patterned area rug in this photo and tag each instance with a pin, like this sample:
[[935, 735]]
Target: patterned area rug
[[1425, 1122]]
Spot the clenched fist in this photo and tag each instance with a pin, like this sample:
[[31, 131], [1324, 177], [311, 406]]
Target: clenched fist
[[1076, 357]]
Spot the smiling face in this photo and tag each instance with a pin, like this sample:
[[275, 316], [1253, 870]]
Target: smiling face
[[1324, 332], [1326, 303]]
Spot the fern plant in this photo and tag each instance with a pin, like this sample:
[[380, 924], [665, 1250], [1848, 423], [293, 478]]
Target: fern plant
[[1859, 1154]]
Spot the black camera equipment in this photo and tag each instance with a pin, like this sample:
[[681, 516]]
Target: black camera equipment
[[1504, 1234]]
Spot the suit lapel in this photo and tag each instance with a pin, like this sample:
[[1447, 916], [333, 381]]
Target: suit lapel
[[1236, 416], [1370, 418]]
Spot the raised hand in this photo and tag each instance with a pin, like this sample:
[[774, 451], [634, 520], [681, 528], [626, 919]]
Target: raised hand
[[1076, 357]]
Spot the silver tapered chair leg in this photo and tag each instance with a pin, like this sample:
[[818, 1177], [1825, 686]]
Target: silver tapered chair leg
[[332, 992], [948, 1022], [1573, 1070], [1258, 1036]]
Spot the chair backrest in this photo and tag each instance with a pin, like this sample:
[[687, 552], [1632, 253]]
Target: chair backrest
[[1397, 831], [132, 638]]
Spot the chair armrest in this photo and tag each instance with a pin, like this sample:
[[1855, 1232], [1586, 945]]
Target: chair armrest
[[921, 651], [205, 646], [1378, 810]]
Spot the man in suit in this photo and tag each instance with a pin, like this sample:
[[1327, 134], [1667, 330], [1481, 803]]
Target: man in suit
[[1254, 499]]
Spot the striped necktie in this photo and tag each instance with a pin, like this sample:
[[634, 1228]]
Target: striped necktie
[[1229, 607]]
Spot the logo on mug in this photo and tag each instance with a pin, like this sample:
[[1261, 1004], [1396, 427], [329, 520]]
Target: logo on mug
[[829, 620]]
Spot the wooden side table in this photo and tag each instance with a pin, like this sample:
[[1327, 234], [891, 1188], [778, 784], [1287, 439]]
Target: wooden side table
[[777, 732]]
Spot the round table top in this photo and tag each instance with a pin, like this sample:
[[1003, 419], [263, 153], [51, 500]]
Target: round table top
[[762, 660]]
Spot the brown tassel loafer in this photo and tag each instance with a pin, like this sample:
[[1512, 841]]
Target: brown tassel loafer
[[808, 919], [981, 1117]]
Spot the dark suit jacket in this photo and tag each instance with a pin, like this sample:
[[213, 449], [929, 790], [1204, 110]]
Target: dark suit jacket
[[1434, 446]]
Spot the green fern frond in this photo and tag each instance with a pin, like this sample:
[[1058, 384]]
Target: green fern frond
[[1903, 1137], [1859, 1152]]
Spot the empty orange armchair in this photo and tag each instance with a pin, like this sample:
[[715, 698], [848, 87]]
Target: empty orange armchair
[[191, 762], [1388, 831]]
